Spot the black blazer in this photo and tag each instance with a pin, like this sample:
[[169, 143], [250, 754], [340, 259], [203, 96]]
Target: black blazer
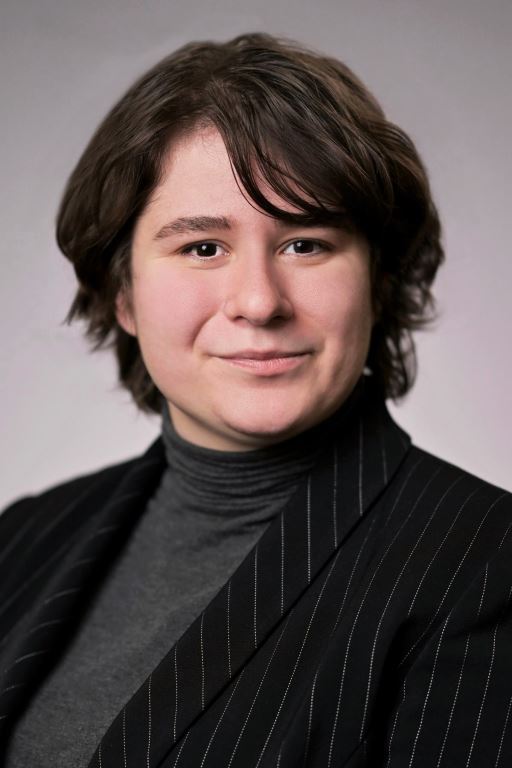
[[371, 625]]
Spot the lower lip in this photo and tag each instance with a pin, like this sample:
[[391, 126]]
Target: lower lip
[[269, 367]]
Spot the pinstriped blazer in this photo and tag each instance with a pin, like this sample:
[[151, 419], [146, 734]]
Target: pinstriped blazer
[[371, 625]]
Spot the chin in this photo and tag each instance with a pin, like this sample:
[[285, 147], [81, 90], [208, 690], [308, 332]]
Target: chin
[[272, 426]]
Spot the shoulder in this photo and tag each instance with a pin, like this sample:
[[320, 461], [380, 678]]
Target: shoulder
[[445, 519], [425, 467], [97, 484], [448, 492]]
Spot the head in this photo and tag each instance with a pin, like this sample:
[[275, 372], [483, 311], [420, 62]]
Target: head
[[302, 149]]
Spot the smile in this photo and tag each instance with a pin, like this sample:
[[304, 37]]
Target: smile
[[269, 365]]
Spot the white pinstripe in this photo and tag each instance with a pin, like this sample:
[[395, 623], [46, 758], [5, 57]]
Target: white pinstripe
[[44, 624], [344, 599], [340, 610], [62, 514], [298, 657], [62, 593], [395, 720], [202, 662], [249, 713], [282, 564], [34, 576], [219, 721], [360, 608], [25, 657], [428, 691], [176, 688], [434, 556], [456, 690], [454, 575], [101, 532], [498, 756], [459, 681], [181, 748], [505, 535], [124, 737], [228, 635], [148, 752], [486, 688], [84, 560], [56, 555], [310, 718], [99, 756], [395, 504], [390, 596], [76, 501], [454, 703]]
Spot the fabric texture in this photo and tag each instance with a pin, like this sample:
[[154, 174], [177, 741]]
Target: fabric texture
[[208, 511], [369, 626]]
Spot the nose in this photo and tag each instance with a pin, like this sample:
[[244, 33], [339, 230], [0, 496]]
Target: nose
[[256, 292]]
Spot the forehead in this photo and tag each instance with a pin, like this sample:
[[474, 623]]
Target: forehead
[[197, 168], [198, 181], [198, 165]]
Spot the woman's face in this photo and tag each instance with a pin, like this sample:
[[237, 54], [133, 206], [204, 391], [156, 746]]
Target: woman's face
[[252, 329]]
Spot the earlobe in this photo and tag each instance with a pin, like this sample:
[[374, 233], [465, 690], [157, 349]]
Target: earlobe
[[124, 313]]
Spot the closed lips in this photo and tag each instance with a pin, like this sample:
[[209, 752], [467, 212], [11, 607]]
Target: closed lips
[[255, 355]]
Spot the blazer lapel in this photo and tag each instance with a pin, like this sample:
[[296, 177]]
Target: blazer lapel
[[71, 552], [358, 463]]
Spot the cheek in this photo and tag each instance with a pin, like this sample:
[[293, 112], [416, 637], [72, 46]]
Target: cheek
[[170, 309], [341, 307]]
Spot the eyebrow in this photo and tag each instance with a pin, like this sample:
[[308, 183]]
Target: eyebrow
[[186, 224]]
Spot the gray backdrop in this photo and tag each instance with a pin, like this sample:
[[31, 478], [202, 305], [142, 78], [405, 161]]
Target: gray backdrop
[[442, 70]]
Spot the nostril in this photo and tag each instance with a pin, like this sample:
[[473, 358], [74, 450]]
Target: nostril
[[259, 308]]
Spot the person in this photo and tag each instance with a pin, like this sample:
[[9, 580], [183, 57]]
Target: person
[[282, 579]]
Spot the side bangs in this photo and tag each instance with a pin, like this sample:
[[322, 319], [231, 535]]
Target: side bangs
[[311, 163]]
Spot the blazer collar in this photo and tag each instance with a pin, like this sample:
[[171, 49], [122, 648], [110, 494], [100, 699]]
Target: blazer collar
[[366, 450], [64, 560]]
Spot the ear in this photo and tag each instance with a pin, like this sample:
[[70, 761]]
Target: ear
[[124, 313]]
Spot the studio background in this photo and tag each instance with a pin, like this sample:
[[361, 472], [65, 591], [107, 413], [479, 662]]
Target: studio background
[[442, 71]]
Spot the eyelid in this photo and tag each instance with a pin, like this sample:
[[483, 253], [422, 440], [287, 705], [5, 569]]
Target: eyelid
[[322, 245], [186, 249]]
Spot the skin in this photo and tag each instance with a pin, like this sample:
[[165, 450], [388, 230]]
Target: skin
[[207, 304]]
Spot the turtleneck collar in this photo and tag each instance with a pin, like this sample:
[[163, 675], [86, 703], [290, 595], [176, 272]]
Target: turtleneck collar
[[250, 482]]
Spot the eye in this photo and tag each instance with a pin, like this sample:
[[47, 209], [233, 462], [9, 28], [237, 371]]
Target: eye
[[202, 251], [305, 247]]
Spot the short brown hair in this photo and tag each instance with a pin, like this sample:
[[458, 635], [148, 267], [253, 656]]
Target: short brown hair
[[305, 124]]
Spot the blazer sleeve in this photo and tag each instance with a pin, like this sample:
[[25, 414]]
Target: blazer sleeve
[[455, 704]]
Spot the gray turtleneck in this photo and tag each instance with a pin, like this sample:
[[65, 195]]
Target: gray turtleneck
[[208, 511]]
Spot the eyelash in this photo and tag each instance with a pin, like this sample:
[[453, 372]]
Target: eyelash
[[320, 246]]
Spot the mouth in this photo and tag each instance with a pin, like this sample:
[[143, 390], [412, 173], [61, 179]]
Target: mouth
[[266, 363]]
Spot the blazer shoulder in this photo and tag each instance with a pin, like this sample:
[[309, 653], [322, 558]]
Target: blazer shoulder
[[432, 463], [56, 496]]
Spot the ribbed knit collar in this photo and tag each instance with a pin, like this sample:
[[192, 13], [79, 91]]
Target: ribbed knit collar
[[230, 482]]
